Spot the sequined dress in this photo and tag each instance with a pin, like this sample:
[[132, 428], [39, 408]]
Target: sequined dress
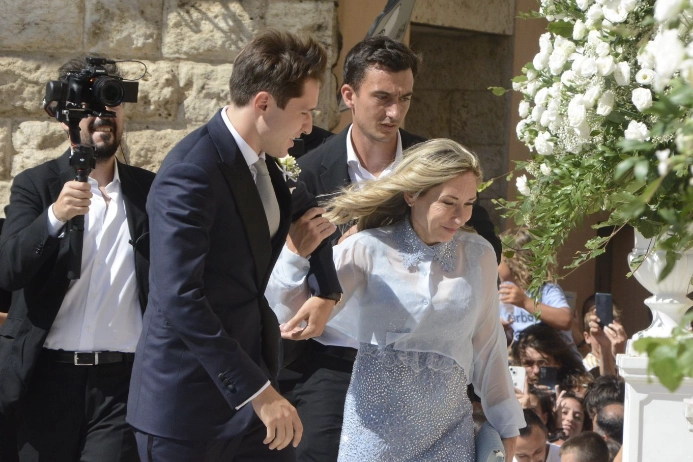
[[426, 319], [406, 406]]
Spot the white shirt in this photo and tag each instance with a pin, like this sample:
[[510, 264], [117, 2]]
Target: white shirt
[[101, 310], [251, 157], [400, 292], [357, 173]]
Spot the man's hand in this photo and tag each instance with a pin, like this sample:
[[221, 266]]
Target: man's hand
[[509, 446], [280, 418], [74, 199], [618, 337], [523, 395], [3, 318], [306, 233], [607, 363], [598, 333], [315, 312]]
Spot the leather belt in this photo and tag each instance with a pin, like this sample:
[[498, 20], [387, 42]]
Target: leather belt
[[79, 358]]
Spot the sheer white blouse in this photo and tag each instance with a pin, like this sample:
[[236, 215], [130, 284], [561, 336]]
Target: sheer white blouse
[[398, 291]]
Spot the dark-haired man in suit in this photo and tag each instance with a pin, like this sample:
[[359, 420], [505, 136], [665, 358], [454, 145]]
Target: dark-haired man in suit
[[67, 347], [379, 75], [220, 209]]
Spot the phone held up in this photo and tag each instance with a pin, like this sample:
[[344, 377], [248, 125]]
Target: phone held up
[[548, 377], [518, 375], [605, 308]]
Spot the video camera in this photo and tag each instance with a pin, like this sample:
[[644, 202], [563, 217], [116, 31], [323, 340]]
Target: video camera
[[88, 92]]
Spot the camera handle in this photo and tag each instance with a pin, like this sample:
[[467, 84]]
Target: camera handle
[[83, 161]]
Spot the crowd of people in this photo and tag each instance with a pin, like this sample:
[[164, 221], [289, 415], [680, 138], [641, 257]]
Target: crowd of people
[[579, 401], [227, 310]]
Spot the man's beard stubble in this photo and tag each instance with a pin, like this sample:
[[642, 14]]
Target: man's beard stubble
[[107, 148]]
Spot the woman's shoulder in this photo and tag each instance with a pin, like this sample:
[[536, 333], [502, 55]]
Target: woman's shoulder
[[471, 240]]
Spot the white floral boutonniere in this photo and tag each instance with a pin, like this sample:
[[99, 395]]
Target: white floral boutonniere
[[290, 168]]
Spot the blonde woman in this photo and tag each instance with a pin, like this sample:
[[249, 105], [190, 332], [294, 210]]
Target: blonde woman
[[420, 297]]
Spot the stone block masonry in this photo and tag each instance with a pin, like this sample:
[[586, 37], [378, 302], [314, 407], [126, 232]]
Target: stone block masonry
[[188, 48]]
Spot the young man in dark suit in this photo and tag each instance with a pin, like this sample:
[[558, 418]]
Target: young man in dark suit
[[379, 75], [220, 209], [66, 348]]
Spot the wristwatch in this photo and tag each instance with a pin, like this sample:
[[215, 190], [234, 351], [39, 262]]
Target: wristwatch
[[336, 296]]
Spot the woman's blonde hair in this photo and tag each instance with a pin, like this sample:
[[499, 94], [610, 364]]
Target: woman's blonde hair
[[519, 264], [424, 166]]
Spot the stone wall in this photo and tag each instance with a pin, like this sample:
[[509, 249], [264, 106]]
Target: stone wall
[[188, 48], [451, 97]]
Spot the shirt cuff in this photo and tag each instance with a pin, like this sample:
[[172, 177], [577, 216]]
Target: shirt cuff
[[291, 267], [254, 396], [54, 225]]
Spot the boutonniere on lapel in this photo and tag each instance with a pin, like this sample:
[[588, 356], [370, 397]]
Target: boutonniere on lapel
[[290, 169]]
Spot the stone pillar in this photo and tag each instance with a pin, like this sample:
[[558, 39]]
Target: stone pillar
[[655, 427]]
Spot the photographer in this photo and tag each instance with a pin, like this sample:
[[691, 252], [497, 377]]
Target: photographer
[[67, 346]]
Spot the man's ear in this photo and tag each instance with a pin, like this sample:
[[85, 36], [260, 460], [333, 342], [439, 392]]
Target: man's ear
[[348, 94], [261, 101]]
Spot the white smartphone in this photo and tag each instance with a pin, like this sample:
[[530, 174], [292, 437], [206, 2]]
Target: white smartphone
[[518, 375]]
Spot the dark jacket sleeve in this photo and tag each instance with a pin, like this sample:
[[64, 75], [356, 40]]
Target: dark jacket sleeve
[[323, 275], [25, 245]]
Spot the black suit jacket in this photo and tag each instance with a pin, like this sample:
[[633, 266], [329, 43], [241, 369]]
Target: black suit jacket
[[324, 171], [210, 340], [34, 265]]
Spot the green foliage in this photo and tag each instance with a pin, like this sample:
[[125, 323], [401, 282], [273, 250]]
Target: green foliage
[[670, 358], [562, 28], [596, 153], [498, 91]]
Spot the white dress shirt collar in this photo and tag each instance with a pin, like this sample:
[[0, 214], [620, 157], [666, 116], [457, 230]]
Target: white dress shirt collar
[[249, 153], [357, 172]]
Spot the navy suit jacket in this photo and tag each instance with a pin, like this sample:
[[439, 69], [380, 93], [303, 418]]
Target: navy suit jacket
[[34, 265], [210, 340]]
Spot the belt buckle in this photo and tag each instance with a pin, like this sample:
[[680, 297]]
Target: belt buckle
[[81, 359]]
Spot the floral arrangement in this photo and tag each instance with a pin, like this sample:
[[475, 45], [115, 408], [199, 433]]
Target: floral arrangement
[[606, 112], [290, 168]]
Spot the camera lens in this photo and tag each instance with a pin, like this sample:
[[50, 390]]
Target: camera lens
[[107, 91]]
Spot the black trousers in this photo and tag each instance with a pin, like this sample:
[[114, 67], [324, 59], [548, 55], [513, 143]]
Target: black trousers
[[317, 384], [8, 439], [246, 448], [76, 413]]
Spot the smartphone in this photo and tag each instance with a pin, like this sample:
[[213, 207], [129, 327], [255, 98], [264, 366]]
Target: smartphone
[[518, 375], [605, 308], [548, 377]]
